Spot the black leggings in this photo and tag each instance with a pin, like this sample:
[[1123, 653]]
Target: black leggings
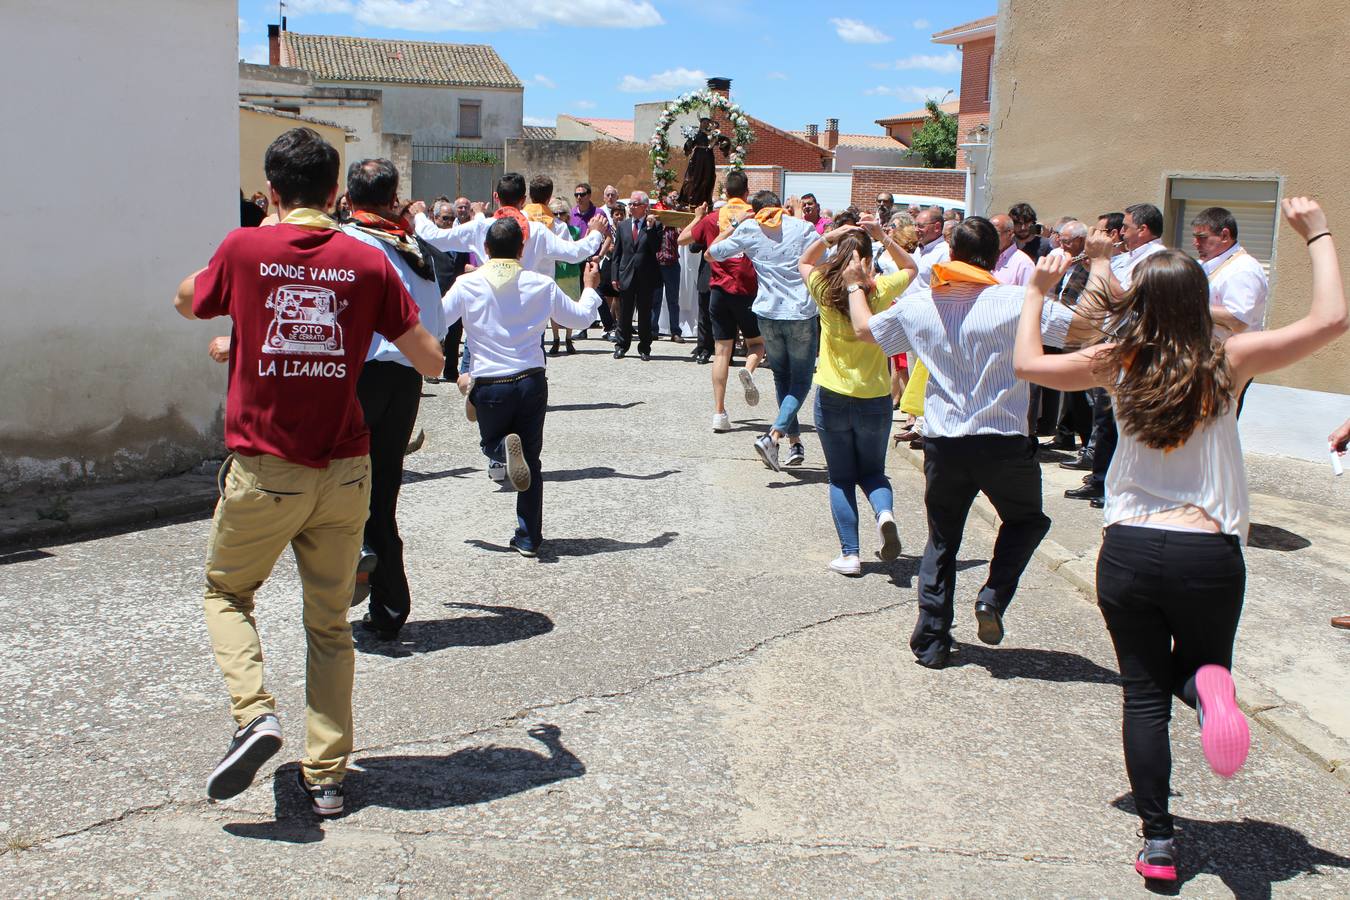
[[1171, 601]]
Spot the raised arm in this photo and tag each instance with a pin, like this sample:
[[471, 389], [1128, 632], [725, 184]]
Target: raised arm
[[727, 244], [903, 261], [1064, 372], [687, 233], [816, 250], [1253, 353], [461, 238], [562, 250]]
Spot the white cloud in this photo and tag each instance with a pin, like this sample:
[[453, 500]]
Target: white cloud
[[949, 62], [776, 76], [584, 104], [254, 53], [921, 24], [544, 82], [243, 26], [493, 15], [669, 80], [853, 31], [542, 121], [318, 6], [914, 94]]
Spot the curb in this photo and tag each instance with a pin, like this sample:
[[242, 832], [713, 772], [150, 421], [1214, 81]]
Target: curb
[[185, 499], [1330, 754]]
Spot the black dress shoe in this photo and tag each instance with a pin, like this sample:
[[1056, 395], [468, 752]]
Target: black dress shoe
[[1082, 462], [1097, 503], [1060, 443], [988, 622], [620, 354], [936, 660], [1093, 490], [383, 633], [645, 357]]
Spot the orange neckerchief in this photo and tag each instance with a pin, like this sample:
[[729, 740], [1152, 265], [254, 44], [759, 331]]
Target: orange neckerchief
[[538, 212], [770, 216], [510, 212], [734, 207], [960, 273]]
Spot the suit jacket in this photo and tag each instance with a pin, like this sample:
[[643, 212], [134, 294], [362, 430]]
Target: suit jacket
[[634, 264]]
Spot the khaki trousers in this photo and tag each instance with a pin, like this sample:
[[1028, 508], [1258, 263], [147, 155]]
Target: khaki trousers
[[268, 503]]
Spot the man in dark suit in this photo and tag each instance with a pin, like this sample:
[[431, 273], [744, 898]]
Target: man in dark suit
[[636, 274]]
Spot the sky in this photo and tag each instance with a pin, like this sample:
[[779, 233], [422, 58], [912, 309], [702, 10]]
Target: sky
[[791, 62]]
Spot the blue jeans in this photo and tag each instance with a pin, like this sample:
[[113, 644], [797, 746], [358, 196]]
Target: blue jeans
[[790, 345], [517, 407], [853, 433], [670, 283]]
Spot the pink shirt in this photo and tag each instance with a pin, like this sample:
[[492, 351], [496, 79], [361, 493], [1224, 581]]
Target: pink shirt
[[1013, 266]]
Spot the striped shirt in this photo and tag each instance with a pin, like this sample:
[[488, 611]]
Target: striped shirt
[[964, 333]]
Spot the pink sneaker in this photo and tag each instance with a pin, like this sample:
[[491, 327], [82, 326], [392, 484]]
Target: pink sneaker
[[1223, 727], [1157, 861]]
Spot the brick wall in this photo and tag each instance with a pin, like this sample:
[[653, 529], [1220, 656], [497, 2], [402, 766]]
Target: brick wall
[[773, 147], [868, 181], [760, 178], [976, 59]]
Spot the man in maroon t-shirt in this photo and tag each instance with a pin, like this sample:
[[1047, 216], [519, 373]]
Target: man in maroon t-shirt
[[304, 299], [733, 286]]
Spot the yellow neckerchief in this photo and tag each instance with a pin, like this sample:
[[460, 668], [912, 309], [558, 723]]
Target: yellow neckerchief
[[500, 272], [770, 216], [734, 207], [538, 212], [310, 218], [960, 272], [1241, 251]]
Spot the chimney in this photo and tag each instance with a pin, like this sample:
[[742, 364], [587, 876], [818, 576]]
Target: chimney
[[831, 133], [274, 45], [813, 133], [720, 86]]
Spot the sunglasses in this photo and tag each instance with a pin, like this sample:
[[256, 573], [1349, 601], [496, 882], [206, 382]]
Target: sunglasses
[[583, 193]]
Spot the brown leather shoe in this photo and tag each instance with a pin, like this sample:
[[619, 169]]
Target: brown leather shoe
[[1340, 622]]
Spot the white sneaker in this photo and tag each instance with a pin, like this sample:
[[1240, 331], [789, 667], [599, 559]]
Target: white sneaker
[[517, 469], [721, 422], [751, 392], [768, 451], [847, 565], [889, 534]]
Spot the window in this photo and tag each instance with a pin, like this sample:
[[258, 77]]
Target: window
[[1254, 203], [470, 114]]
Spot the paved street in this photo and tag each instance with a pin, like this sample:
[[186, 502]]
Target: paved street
[[676, 699]]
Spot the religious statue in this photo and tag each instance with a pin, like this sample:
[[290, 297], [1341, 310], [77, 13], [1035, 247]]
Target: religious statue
[[700, 175]]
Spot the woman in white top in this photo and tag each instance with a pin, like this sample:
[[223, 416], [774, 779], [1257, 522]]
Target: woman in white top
[[1170, 575]]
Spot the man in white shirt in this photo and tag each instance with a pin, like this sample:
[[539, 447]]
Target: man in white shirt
[[505, 309], [933, 247], [611, 195], [1238, 288], [543, 248]]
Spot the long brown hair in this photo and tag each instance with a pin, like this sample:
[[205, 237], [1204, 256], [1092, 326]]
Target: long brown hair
[[833, 291], [1168, 373]]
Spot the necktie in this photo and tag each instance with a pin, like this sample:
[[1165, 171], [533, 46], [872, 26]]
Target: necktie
[[635, 231]]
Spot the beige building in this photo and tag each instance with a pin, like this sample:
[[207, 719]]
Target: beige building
[[259, 126], [1185, 105]]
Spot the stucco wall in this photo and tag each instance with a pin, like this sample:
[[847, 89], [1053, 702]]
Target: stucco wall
[[566, 162], [1196, 88], [101, 378], [431, 114], [845, 158], [257, 130]]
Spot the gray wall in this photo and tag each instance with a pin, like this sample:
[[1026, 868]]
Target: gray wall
[[102, 380], [845, 158], [431, 114]]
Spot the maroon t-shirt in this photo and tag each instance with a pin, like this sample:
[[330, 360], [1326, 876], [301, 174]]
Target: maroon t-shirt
[[735, 276], [304, 302]]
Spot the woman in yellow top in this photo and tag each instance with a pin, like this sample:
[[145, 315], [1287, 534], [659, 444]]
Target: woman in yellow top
[[853, 386]]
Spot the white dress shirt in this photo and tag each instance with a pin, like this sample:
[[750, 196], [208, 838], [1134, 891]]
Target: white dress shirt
[[964, 333], [1130, 260], [543, 248], [505, 309], [1238, 284], [926, 256], [424, 292]]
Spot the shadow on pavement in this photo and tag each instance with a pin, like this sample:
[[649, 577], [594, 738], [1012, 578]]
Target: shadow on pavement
[[464, 778], [556, 548], [1273, 537], [502, 625], [1030, 662], [414, 477], [586, 407], [1248, 855], [801, 476], [603, 472], [903, 570]]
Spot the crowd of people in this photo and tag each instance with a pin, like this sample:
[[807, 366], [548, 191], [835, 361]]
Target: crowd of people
[[985, 333]]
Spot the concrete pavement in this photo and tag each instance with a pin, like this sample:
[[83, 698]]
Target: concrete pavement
[[677, 699]]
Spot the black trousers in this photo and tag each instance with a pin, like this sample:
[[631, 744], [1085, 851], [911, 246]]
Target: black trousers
[[1075, 417], [1004, 469], [451, 348], [1104, 434], [705, 335], [636, 298], [389, 393], [1171, 601]]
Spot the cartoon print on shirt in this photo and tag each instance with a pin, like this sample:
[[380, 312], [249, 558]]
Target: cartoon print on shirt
[[304, 321]]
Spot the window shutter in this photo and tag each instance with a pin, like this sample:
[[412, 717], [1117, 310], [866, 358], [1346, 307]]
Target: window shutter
[[1255, 221]]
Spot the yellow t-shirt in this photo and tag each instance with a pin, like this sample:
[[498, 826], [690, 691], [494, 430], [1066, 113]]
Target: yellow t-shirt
[[847, 365]]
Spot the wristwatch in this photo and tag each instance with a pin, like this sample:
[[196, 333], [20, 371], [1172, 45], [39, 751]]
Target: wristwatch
[[850, 288]]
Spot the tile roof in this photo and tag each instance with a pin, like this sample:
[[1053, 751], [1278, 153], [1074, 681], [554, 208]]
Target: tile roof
[[331, 57], [283, 114], [538, 132], [618, 129], [964, 26], [866, 141], [951, 107]]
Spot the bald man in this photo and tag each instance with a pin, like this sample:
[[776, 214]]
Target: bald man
[[1013, 266]]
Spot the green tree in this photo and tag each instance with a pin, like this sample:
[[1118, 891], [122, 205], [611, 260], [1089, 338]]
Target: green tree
[[935, 139]]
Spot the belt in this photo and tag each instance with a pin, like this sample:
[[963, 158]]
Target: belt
[[507, 379]]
